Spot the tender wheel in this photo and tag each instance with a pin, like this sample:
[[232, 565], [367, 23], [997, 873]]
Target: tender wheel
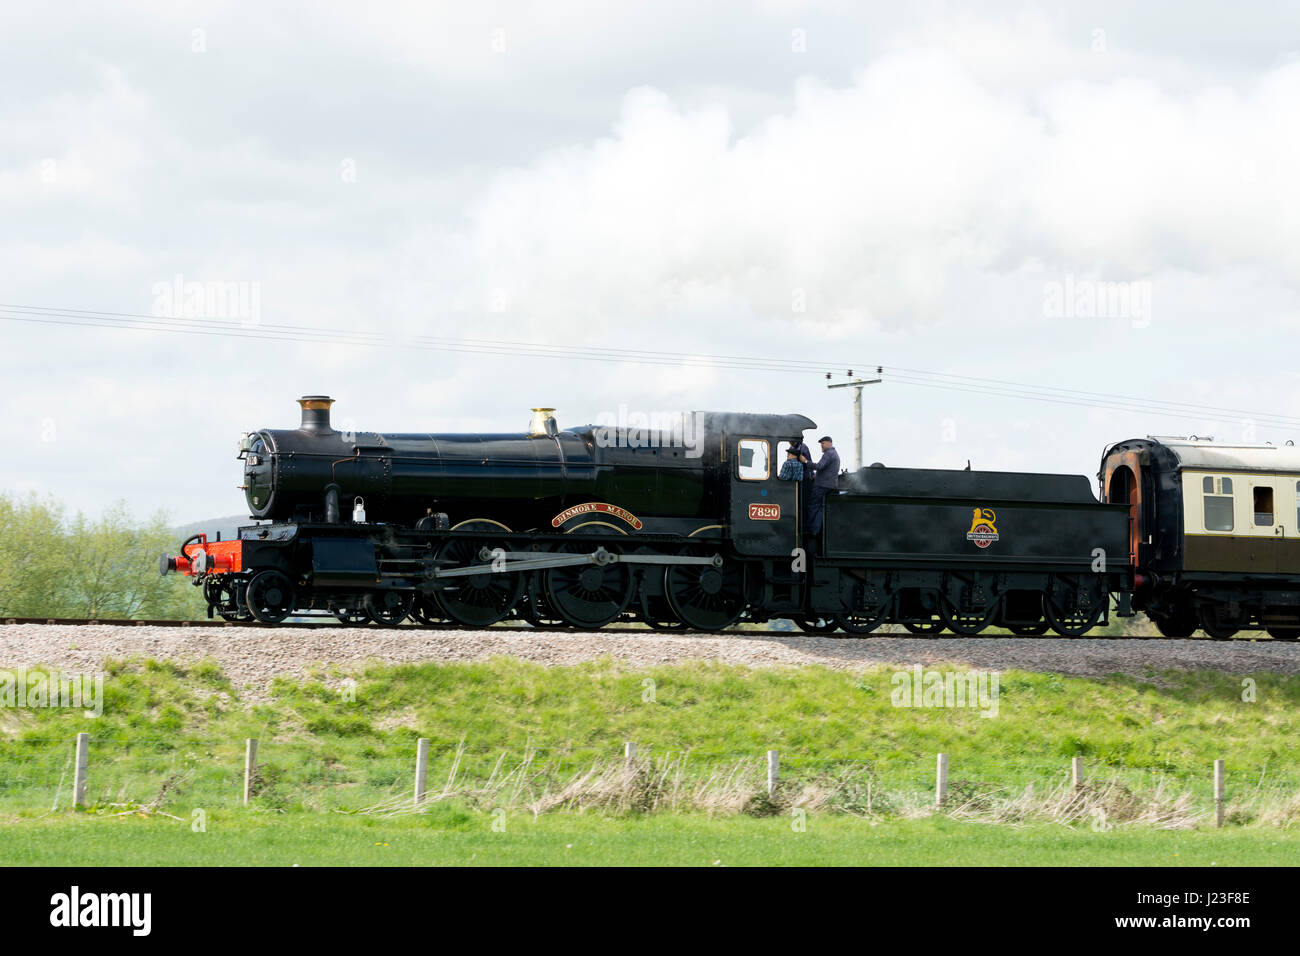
[[483, 598], [862, 624], [966, 623], [868, 604], [704, 596], [589, 595], [389, 608], [270, 597], [1029, 630], [1284, 633], [1071, 621], [924, 630]]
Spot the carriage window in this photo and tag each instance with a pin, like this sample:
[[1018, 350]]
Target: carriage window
[[1218, 503], [1264, 506], [752, 459]]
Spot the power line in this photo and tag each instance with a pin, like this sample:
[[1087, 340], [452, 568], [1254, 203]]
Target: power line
[[1001, 388]]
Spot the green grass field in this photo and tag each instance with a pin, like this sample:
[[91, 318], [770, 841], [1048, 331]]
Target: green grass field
[[538, 751], [452, 837]]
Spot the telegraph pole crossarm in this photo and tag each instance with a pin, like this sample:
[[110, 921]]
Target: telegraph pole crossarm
[[856, 384]]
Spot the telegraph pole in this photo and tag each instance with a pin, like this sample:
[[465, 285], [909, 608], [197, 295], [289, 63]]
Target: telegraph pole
[[856, 384]]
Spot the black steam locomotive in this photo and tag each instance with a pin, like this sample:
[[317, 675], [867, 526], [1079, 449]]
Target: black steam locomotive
[[680, 525]]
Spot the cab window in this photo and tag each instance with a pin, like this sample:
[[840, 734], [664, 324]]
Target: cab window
[[1263, 506], [1218, 503], [753, 459]]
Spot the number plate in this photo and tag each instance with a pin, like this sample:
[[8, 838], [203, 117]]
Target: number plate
[[762, 512]]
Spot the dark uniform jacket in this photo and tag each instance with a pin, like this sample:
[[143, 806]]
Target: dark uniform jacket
[[827, 470]]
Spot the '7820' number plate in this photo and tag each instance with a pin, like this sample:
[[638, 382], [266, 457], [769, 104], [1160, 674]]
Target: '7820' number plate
[[762, 512]]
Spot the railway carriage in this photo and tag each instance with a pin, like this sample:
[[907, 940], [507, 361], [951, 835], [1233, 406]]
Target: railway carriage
[[1214, 533]]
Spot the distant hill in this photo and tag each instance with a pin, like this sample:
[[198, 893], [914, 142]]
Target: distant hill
[[227, 526]]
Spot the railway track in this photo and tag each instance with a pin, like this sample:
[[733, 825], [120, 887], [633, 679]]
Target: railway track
[[332, 624]]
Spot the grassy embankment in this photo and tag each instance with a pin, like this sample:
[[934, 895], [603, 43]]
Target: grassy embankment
[[526, 767]]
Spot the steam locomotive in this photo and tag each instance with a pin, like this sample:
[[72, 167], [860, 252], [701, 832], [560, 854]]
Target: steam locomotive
[[682, 525]]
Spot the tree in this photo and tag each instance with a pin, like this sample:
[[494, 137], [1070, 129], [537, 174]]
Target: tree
[[50, 567]]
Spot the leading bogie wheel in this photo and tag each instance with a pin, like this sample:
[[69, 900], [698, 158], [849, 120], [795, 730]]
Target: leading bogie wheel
[[389, 608], [351, 616], [270, 597]]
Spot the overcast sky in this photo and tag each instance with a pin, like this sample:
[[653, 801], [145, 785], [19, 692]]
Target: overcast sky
[[910, 185]]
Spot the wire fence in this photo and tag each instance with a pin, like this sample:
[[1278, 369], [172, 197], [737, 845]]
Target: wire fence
[[39, 774]]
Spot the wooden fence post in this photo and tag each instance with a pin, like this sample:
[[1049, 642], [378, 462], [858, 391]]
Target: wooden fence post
[[421, 769], [773, 772], [1076, 772], [250, 766], [1218, 793], [79, 771], [941, 780], [629, 752]]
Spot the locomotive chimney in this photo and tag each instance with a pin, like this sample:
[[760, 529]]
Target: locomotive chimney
[[543, 424], [316, 413]]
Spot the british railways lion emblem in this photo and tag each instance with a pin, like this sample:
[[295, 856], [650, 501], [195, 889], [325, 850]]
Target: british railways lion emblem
[[982, 529]]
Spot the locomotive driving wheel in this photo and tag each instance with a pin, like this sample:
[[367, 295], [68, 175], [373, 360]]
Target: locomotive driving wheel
[[707, 597], [589, 595], [270, 597], [923, 628], [483, 598]]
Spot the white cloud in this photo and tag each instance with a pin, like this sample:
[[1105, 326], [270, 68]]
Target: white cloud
[[669, 177]]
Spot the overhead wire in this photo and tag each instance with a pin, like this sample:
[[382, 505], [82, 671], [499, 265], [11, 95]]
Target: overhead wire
[[922, 378]]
